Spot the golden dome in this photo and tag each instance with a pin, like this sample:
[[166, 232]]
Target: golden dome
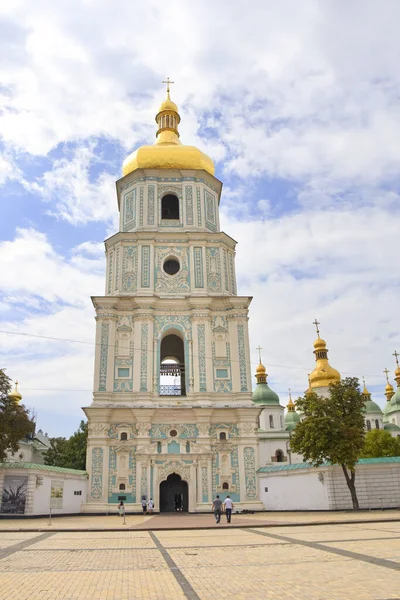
[[168, 152], [15, 395], [319, 344], [260, 370], [365, 392], [323, 374], [290, 405]]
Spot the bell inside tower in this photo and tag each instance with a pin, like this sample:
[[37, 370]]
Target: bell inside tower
[[172, 366]]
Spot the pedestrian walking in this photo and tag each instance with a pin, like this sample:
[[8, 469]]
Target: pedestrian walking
[[144, 505], [228, 507], [150, 506], [121, 508], [216, 506]]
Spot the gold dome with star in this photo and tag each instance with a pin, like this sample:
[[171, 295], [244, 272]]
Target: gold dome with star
[[168, 152]]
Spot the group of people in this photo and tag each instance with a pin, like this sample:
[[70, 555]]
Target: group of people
[[219, 506], [146, 507]]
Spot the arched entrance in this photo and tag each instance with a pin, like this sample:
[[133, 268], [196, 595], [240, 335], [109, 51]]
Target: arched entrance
[[174, 494]]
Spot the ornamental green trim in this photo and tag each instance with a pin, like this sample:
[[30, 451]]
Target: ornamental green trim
[[299, 466], [33, 466]]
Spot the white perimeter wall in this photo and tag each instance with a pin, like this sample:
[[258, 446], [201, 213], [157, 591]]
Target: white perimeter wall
[[377, 485], [71, 503], [291, 490]]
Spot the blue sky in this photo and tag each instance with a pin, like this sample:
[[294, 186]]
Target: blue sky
[[297, 103]]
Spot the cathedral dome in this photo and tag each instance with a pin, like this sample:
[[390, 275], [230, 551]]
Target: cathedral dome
[[292, 417], [15, 395], [263, 395], [168, 152], [323, 374]]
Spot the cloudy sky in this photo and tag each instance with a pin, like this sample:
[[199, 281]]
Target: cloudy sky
[[298, 104]]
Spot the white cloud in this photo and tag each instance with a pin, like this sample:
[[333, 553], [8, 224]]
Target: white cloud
[[306, 92], [51, 296], [301, 91], [73, 193]]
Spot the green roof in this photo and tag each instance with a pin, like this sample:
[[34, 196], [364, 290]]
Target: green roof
[[391, 427], [299, 466], [264, 396], [372, 407], [28, 465]]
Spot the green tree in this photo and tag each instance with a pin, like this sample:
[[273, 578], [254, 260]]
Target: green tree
[[75, 452], [55, 455], [69, 453], [15, 421], [379, 443], [332, 429]]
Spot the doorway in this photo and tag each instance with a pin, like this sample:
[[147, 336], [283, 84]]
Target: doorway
[[174, 495]]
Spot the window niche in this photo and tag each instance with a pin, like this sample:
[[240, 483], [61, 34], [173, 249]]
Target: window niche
[[170, 207]]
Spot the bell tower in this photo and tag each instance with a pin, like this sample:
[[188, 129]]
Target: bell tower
[[172, 382]]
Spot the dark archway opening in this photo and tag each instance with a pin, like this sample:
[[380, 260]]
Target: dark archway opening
[[279, 456], [174, 496], [172, 366], [170, 207]]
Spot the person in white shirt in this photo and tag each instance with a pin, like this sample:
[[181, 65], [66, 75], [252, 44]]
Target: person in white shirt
[[150, 506], [228, 506]]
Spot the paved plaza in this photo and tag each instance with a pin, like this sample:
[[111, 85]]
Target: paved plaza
[[332, 561]]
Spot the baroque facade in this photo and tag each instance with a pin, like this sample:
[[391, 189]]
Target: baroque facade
[[172, 416]]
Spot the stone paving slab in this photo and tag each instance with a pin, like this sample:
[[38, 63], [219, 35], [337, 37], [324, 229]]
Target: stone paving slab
[[248, 564], [195, 521]]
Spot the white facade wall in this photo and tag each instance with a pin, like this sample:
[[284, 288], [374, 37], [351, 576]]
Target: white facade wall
[[71, 503], [294, 490], [377, 485], [39, 487], [325, 488]]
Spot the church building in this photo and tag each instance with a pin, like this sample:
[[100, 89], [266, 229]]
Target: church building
[[172, 416]]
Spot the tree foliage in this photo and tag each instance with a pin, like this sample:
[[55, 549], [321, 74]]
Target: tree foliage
[[69, 453], [380, 443], [15, 421], [332, 429]]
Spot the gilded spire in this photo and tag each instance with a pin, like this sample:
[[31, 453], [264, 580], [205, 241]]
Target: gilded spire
[[365, 392], [168, 152], [168, 120], [397, 371], [290, 405], [389, 391], [15, 395], [323, 374], [261, 372]]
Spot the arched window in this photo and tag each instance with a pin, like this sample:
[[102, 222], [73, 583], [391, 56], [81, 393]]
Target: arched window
[[279, 456], [172, 367], [170, 207], [271, 421], [124, 436], [222, 435], [368, 425], [281, 421], [188, 447], [225, 486], [376, 423], [159, 448], [122, 486]]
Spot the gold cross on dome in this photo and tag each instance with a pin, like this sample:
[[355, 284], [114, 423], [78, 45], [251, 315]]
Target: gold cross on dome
[[396, 355], [385, 370], [168, 82], [259, 352], [316, 323]]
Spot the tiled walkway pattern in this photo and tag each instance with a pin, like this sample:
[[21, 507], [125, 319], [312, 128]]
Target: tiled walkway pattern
[[327, 562]]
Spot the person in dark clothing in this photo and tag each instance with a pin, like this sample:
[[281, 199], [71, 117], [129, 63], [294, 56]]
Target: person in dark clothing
[[216, 506]]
